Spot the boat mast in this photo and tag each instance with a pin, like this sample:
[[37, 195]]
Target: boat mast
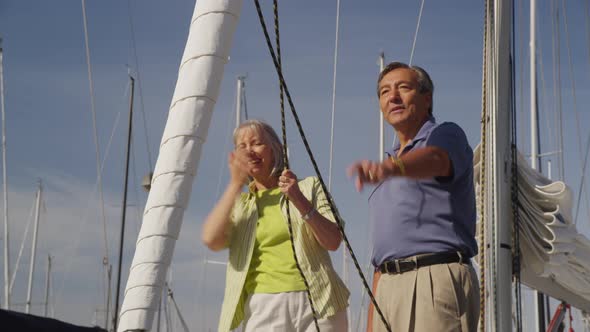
[[33, 250], [498, 173], [109, 277], [239, 102], [5, 189], [105, 259], [533, 85], [47, 283], [124, 204], [333, 113], [240, 88], [535, 159]]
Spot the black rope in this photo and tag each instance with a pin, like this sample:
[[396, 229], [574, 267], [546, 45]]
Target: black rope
[[333, 208], [516, 258], [286, 166]]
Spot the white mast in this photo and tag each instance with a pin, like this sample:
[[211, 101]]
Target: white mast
[[533, 85], [199, 78], [5, 189], [498, 209], [334, 73], [539, 297], [33, 250], [239, 100]]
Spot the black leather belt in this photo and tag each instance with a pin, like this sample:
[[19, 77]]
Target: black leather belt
[[413, 263]]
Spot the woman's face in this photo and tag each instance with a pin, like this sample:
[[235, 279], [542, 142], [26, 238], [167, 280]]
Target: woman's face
[[253, 146]]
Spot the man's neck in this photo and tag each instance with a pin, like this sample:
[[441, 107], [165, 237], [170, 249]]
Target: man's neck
[[406, 134]]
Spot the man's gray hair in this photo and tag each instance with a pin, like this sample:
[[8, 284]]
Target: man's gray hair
[[425, 84], [270, 137]]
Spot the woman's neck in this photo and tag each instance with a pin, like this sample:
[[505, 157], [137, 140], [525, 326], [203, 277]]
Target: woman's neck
[[266, 183]]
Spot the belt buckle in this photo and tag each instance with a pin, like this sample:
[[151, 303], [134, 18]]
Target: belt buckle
[[415, 261]]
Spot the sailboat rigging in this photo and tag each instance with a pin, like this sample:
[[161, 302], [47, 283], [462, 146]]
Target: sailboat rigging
[[551, 255], [499, 205]]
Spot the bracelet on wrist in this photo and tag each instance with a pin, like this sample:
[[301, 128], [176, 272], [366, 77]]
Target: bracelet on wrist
[[398, 162]]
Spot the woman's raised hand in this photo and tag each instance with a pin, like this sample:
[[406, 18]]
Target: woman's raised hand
[[238, 168]]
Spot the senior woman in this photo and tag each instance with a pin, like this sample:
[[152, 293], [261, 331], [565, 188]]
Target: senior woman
[[264, 288]]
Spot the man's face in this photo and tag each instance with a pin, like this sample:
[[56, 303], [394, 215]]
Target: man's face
[[402, 105]]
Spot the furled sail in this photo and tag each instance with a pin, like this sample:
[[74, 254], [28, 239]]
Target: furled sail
[[555, 256], [199, 78]]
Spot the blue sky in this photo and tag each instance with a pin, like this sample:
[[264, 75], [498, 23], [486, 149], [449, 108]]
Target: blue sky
[[49, 124]]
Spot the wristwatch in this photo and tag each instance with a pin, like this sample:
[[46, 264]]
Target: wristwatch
[[309, 214]]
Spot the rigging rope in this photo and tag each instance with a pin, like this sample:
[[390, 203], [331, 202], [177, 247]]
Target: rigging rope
[[522, 62], [516, 259], [416, 33], [490, 69], [85, 218], [95, 131], [330, 167], [286, 166], [492, 201], [557, 84], [333, 208], [22, 246], [133, 46], [587, 15], [105, 259], [576, 112], [548, 123], [482, 177], [178, 313], [583, 176], [334, 94]]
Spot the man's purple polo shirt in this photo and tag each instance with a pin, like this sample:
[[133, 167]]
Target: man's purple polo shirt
[[412, 217]]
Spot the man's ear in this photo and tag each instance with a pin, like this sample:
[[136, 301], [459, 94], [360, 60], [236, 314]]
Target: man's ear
[[429, 100]]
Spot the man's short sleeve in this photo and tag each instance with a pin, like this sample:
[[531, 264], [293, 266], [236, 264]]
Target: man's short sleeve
[[451, 138]]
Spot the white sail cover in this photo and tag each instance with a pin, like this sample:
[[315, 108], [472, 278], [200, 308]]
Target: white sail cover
[[199, 78], [555, 257]]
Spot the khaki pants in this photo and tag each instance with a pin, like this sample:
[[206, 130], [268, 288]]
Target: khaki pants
[[287, 312], [442, 297]]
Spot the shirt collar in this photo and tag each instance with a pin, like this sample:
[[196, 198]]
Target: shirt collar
[[421, 135], [252, 188]]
